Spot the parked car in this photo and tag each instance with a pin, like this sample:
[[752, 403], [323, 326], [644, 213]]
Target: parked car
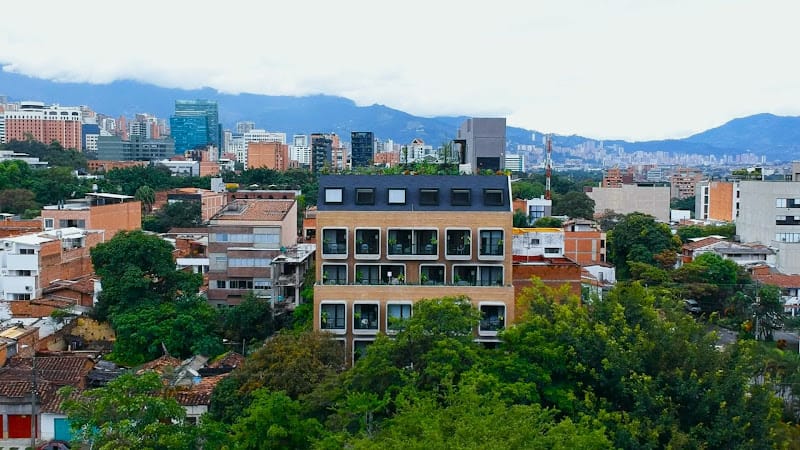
[[692, 306]]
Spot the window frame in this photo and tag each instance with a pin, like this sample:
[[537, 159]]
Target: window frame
[[329, 191]]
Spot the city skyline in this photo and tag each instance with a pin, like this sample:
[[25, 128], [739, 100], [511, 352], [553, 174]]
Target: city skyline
[[633, 71]]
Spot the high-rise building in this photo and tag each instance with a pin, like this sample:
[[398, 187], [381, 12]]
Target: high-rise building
[[362, 148], [195, 124], [244, 127], [482, 144], [44, 124], [321, 151], [300, 151]]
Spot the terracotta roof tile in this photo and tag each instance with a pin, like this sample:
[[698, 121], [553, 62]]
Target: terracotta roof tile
[[694, 245], [230, 359], [781, 280], [200, 393]]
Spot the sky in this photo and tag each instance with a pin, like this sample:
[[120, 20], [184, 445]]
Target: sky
[[607, 69]]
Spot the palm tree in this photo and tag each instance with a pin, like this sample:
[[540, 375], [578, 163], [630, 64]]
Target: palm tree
[[147, 196]]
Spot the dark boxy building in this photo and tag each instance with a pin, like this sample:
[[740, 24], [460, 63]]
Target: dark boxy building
[[362, 144], [482, 143]]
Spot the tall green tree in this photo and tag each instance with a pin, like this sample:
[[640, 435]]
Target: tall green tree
[[129, 412], [638, 237], [137, 269], [281, 423], [185, 214], [575, 204], [17, 201], [147, 196]]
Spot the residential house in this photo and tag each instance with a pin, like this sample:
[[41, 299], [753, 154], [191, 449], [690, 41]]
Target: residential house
[[539, 252], [111, 213], [388, 241], [210, 202], [244, 238], [584, 242], [30, 263]]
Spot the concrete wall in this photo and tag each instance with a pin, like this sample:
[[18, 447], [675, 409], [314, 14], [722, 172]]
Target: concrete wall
[[629, 198]]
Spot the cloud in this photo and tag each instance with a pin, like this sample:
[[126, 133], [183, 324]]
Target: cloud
[[629, 69]]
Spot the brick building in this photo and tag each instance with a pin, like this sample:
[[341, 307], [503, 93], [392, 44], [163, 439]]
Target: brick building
[[31, 262], [98, 211], [271, 155], [584, 243], [388, 241], [243, 240]]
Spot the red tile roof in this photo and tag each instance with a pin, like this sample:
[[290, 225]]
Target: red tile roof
[[200, 393], [694, 245], [781, 280], [59, 370]]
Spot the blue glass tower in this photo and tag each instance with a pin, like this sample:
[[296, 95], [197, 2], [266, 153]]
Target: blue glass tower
[[195, 124]]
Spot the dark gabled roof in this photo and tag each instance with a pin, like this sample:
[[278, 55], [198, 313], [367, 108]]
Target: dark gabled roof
[[412, 184]]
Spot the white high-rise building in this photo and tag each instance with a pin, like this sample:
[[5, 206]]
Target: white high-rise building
[[300, 151]]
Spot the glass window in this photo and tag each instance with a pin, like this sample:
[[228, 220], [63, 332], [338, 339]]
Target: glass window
[[365, 317], [460, 197], [429, 196], [332, 316], [396, 315], [493, 197], [365, 196], [492, 318], [397, 196], [334, 195]]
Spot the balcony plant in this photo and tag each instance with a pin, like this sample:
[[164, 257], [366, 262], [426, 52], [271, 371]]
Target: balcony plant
[[424, 279], [401, 278]]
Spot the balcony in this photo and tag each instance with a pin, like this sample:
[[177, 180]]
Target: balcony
[[492, 246], [493, 317], [367, 244], [459, 244], [334, 243], [365, 318], [412, 244], [333, 317]]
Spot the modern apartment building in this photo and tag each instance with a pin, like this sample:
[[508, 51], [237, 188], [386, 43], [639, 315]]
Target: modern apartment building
[[716, 200], [300, 151], [321, 152], [770, 214], [683, 182], [482, 144], [31, 262], [244, 238], [387, 241], [98, 211], [362, 148], [44, 123]]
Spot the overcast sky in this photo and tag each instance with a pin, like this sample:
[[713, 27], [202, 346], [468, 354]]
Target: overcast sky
[[635, 69]]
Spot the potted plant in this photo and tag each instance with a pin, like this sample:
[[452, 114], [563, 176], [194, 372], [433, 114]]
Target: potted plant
[[456, 279], [357, 317], [392, 241], [359, 277], [325, 277], [424, 279], [434, 241], [324, 318], [401, 278]]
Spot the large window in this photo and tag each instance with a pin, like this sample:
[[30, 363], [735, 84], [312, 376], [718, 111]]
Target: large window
[[431, 274], [491, 275], [334, 274], [493, 318], [367, 242], [491, 243], [365, 318], [397, 313], [458, 243], [334, 242], [332, 317], [334, 195], [360, 348]]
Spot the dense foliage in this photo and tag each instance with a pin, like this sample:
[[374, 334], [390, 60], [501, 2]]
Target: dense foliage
[[637, 237]]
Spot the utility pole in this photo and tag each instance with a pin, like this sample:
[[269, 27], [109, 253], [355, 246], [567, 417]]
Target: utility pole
[[33, 397]]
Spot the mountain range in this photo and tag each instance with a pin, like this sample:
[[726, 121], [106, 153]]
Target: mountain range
[[777, 137]]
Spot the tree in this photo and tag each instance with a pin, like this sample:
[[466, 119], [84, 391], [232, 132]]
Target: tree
[[184, 214], [137, 269], [527, 189], [638, 237], [147, 196], [547, 222], [279, 420], [710, 279], [683, 203], [17, 201], [249, 321], [291, 362], [520, 219], [129, 412], [573, 204], [184, 327]]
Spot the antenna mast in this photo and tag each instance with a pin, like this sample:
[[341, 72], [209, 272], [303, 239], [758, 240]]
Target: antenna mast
[[548, 168]]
